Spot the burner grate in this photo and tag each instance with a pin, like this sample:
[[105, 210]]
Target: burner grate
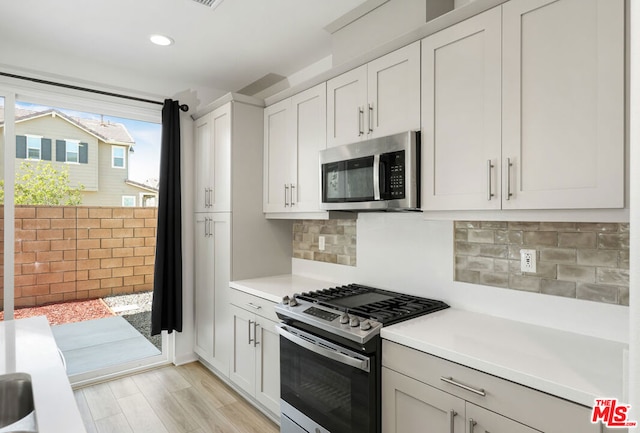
[[365, 301]]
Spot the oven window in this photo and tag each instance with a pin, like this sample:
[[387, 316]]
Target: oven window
[[336, 396], [347, 181]]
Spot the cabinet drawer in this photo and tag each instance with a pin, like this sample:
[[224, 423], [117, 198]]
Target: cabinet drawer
[[533, 408], [260, 306]]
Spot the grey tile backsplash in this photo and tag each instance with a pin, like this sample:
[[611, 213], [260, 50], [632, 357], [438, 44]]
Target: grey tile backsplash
[[340, 240], [576, 260]]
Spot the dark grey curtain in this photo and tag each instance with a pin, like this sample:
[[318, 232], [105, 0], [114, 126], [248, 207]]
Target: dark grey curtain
[[166, 312]]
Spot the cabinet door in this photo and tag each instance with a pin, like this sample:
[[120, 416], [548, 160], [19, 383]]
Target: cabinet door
[[279, 157], [212, 273], [393, 95], [310, 111], [563, 103], [461, 115], [267, 364], [220, 228], [243, 371], [410, 406], [220, 162], [346, 104], [204, 162], [204, 288], [480, 420]]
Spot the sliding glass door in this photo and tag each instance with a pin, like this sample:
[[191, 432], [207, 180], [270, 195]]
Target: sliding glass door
[[84, 209]]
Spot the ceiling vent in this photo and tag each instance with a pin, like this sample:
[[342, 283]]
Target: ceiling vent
[[209, 3]]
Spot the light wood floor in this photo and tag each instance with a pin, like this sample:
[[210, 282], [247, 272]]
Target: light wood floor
[[185, 399]]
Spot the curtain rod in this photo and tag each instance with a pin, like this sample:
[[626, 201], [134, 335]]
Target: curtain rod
[[183, 107]]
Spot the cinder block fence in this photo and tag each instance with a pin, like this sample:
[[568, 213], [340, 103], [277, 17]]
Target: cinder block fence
[[69, 253]]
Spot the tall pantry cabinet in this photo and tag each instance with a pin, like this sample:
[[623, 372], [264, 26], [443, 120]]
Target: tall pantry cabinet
[[233, 240]]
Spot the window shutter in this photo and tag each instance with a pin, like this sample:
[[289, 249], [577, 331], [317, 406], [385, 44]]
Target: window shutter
[[46, 149], [61, 150], [83, 150], [21, 146]]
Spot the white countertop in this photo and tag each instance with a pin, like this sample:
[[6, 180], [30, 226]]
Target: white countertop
[[277, 287], [572, 366], [27, 346]]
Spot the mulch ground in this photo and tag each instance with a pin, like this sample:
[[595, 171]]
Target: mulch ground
[[67, 312]]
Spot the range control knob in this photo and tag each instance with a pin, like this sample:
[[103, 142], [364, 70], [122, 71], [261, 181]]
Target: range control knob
[[285, 300], [344, 319], [293, 302], [354, 322], [365, 326]]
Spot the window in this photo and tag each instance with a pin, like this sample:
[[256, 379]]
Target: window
[[128, 201], [117, 157], [34, 147], [72, 151]]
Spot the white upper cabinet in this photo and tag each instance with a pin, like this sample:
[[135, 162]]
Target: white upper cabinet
[[213, 161], [310, 122], [279, 157], [523, 108], [295, 133], [563, 103], [461, 115], [377, 99]]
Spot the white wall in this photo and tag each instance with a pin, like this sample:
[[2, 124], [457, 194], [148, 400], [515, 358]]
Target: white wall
[[406, 253]]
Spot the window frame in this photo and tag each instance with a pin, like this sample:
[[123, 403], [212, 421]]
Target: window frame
[[113, 156], [76, 143], [29, 138], [125, 197]]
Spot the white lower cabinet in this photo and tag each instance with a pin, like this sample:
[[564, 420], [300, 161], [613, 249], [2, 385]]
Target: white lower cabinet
[[421, 392], [410, 406], [255, 361], [212, 270]]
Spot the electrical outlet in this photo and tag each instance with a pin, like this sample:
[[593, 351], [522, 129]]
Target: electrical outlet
[[528, 260], [321, 243]]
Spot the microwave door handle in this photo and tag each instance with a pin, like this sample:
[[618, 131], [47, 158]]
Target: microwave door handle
[[362, 364], [376, 177]]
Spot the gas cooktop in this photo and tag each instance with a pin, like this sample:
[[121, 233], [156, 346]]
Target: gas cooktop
[[354, 311]]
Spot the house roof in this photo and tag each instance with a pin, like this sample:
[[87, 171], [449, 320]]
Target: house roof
[[143, 186], [106, 131]]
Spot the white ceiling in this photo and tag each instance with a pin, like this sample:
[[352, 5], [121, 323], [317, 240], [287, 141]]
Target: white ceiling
[[215, 51]]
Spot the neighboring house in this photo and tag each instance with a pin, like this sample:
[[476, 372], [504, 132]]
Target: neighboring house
[[96, 153]]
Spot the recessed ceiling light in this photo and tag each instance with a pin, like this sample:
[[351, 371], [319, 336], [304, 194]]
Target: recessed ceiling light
[[161, 40]]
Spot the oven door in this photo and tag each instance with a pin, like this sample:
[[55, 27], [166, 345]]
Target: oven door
[[325, 387]]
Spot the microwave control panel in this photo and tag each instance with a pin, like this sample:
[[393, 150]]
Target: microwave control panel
[[394, 163]]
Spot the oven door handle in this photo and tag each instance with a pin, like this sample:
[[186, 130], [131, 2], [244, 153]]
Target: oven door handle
[[362, 364]]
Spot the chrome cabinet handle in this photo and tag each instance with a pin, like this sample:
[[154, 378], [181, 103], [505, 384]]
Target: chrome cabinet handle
[[286, 190], [472, 424], [489, 167], [210, 197], [370, 118], [257, 307], [451, 381], [255, 334], [509, 165], [249, 330], [452, 415], [292, 201], [360, 121], [206, 197]]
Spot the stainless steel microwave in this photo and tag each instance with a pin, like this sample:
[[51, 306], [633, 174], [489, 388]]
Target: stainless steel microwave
[[377, 174]]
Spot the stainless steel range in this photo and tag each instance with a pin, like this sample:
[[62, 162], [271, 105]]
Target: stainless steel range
[[330, 356]]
